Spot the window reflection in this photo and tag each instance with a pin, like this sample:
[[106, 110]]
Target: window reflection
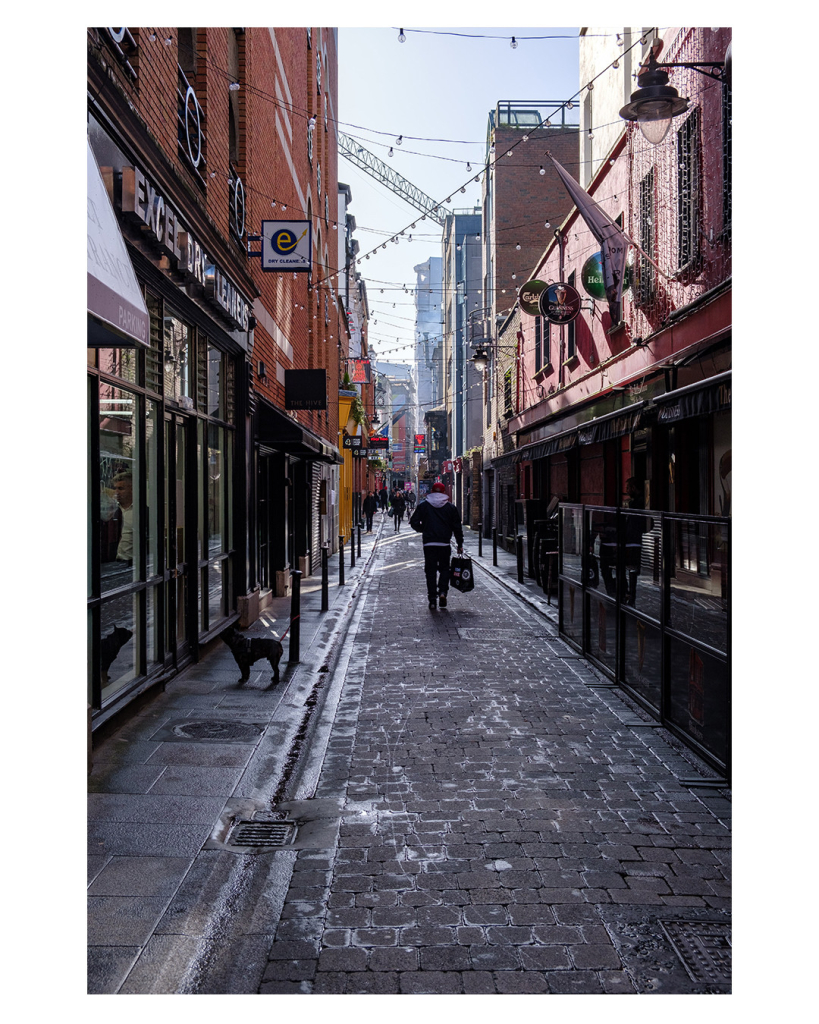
[[119, 485], [177, 358]]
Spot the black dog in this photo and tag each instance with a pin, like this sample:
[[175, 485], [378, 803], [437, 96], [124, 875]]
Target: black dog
[[110, 646], [249, 649]]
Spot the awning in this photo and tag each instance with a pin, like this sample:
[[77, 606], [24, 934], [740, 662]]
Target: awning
[[602, 428], [114, 299], [612, 424], [281, 433], [700, 399]]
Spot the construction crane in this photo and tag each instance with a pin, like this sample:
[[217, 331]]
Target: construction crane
[[377, 169]]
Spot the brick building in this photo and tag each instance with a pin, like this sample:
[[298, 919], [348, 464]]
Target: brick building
[[621, 417], [205, 489], [521, 195]]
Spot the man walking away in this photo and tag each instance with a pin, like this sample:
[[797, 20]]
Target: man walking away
[[382, 497], [399, 507], [369, 507], [436, 519]]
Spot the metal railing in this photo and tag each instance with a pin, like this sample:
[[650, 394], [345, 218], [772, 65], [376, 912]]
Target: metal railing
[[646, 597]]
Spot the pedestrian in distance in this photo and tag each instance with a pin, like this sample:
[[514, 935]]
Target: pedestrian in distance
[[383, 499], [398, 508], [369, 508], [411, 499], [437, 519]]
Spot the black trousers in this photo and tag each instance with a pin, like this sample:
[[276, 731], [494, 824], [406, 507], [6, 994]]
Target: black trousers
[[369, 516], [436, 570]]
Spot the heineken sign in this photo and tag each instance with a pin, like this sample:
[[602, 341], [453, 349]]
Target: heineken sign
[[591, 277]]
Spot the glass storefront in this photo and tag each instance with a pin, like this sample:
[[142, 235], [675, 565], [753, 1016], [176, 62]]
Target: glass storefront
[[161, 444]]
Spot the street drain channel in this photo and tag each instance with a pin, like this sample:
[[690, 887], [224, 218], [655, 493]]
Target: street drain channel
[[262, 833]]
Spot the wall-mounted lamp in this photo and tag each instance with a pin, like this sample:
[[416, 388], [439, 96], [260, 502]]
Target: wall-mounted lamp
[[654, 103], [262, 371]]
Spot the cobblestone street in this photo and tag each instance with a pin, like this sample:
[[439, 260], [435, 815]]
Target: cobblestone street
[[506, 822]]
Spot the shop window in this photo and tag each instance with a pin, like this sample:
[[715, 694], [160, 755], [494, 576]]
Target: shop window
[[215, 381], [647, 274], [538, 342], [119, 487], [177, 359], [726, 156], [120, 362], [571, 330], [688, 190]]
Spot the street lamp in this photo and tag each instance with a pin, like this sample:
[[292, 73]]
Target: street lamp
[[480, 359], [654, 103]]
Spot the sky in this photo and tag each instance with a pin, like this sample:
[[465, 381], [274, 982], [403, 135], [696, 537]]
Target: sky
[[432, 87]]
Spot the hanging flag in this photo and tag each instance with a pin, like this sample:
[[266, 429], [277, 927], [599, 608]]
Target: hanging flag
[[613, 243]]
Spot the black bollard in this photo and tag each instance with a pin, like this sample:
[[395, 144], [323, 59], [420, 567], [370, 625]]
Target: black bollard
[[480, 540], [359, 538], [295, 615], [519, 553], [341, 559], [494, 545], [352, 548], [325, 578]]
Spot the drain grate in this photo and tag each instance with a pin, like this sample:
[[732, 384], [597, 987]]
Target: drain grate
[[262, 833], [704, 948]]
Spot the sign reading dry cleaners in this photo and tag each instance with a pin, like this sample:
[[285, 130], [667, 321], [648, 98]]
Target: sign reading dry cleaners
[[141, 202]]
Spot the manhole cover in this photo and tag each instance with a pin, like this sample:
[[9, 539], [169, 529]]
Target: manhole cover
[[262, 833], [217, 731], [704, 948]]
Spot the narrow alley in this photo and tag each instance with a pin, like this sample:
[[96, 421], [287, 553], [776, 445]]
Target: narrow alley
[[455, 802]]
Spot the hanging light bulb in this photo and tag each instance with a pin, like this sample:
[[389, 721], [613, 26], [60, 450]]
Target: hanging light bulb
[[590, 134], [518, 247], [399, 140], [616, 64], [591, 86], [463, 189], [514, 43], [508, 152], [548, 122], [284, 206], [401, 37], [619, 39], [390, 152], [547, 224], [542, 169], [152, 37], [469, 167], [234, 86], [570, 104]]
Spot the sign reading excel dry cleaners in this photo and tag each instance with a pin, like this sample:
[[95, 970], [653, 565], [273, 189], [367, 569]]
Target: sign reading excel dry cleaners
[[560, 303], [286, 245], [143, 204]]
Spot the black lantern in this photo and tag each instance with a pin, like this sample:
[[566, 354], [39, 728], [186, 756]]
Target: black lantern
[[654, 103]]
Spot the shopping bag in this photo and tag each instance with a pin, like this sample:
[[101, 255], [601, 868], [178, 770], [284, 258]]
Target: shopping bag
[[460, 574]]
